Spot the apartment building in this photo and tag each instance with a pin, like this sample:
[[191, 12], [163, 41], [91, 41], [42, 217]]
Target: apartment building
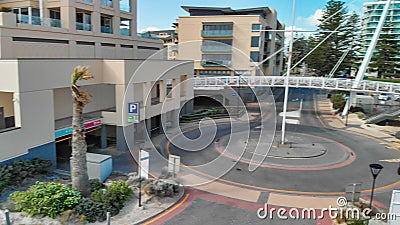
[[372, 12], [225, 42], [169, 39], [41, 42]]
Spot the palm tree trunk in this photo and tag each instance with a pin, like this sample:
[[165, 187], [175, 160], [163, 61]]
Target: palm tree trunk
[[79, 174]]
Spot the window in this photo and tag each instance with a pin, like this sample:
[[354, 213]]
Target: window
[[216, 59], [256, 27], [215, 72], [55, 17], [125, 27], [218, 27], [124, 5], [83, 21], [106, 24], [108, 3], [255, 41], [255, 56], [215, 42]]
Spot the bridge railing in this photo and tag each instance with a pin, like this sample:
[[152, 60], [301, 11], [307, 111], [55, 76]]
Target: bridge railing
[[305, 82]]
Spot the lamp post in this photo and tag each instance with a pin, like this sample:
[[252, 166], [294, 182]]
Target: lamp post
[[375, 170], [140, 177]]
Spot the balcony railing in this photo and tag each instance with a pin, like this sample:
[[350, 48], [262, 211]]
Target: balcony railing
[[107, 30], [268, 36], [40, 21], [216, 48], [108, 3], [217, 33], [215, 62], [278, 42], [125, 32], [83, 26], [174, 48]]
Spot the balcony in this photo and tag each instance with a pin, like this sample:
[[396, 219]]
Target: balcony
[[125, 32], [108, 3], [278, 42], [174, 48], [216, 48], [217, 33], [268, 36], [107, 30], [83, 26], [215, 62], [40, 21]]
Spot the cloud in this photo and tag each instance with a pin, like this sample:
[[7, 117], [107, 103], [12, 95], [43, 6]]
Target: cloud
[[296, 34], [149, 29], [312, 20]]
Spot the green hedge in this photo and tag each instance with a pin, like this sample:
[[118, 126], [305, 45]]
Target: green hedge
[[384, 80]]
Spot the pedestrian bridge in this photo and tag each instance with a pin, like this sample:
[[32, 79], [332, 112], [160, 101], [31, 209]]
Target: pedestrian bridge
[[212, 83]]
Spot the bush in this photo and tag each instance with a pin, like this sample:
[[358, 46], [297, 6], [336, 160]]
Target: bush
[[338, 101], [46, 199], [114, 197], [96, 184], [360, 115], [93, 211], [5, 9], [17, 171]]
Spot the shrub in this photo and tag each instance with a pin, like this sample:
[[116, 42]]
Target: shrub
[[46, 199], [5, 9], [93, 211], [96, 184], [114, 197], [338, 101], [360, 115], [17, 171]]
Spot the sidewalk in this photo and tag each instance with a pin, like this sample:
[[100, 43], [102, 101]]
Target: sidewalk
[[354, 124]]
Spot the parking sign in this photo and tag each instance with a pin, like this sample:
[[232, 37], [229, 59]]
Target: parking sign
[[133, 112]]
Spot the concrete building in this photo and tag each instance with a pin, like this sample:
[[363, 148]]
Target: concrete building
[[38, 53], [220, 36], [169, 39], [372, 12]]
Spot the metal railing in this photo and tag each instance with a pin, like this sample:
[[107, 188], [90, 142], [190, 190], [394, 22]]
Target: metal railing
[[216, 48], [300, 82]]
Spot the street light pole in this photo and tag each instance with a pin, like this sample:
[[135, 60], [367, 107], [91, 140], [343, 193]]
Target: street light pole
[[140, 177], [375, 170], [289, 66]]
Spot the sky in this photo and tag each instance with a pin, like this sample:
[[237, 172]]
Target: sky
[[160, 14]]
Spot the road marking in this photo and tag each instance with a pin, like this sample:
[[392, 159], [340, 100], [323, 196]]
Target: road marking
[[301, 201], [160, 216]]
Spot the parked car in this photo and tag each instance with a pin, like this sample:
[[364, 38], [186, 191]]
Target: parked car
[[396, 97], [383, 96]]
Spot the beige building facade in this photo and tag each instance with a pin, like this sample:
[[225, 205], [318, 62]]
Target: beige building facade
[[39, 50], [225, 42]]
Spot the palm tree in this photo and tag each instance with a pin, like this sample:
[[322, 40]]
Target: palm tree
[[79, 175]]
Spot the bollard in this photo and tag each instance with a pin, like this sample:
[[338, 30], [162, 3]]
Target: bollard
[[108, 218], [7, 217]]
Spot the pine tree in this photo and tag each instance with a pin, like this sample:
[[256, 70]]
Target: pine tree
[[385, 60], [353, 57], [325, 57]]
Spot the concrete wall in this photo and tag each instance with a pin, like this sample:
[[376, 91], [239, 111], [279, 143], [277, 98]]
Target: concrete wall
[[103, 97]]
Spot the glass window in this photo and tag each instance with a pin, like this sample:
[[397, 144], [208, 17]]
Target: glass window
[[218, 27], [125, 27], [255, 56], [218, 59], [106, 24], [256, 27], [215, 42], [124, 5], [255, 41]]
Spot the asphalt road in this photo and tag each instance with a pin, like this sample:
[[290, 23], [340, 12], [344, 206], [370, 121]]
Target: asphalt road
[[333, 180]]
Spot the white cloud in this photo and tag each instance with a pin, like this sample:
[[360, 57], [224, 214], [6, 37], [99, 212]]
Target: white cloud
[[296, 34], [149, 29], [312, 20]]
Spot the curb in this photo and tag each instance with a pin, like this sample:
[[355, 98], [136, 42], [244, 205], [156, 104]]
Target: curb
[[182, 195]]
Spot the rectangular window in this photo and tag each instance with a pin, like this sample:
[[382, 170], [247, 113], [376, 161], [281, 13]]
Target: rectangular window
[[255, 41], [83, 21], [216, 42], [216, 59], [108, 3], [55, 17], [125, 5], [218, 27], [106, 24], [255, 56], [256, 27], [125, 27]]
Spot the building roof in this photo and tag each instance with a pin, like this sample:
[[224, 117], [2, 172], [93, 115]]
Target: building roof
[[210, 11]]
